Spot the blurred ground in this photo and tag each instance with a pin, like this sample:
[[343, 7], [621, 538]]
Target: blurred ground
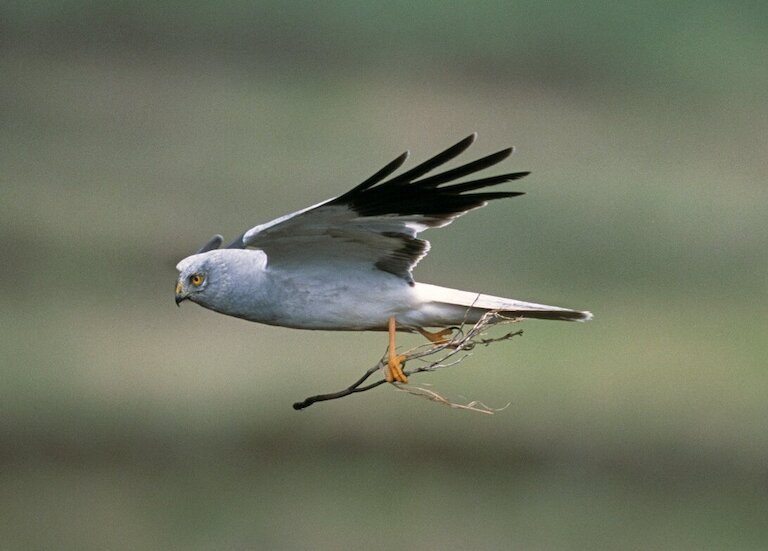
[[131, 133]]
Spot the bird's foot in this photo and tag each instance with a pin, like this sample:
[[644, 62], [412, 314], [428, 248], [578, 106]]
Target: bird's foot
[[395, 369], [394, 361]]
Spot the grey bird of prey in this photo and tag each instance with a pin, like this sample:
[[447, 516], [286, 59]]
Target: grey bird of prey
[[346, 263]]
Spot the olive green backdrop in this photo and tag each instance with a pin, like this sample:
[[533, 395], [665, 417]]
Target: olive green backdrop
[[131, 132]]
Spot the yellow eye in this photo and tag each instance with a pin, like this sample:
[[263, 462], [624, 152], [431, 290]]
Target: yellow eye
[[196, 279]]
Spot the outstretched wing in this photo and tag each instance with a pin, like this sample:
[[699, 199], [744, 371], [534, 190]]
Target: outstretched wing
[[375, 224]]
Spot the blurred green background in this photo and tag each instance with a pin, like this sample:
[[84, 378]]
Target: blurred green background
[[130, 132]]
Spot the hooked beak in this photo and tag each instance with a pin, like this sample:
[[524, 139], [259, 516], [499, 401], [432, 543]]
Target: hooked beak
[[180, 296]]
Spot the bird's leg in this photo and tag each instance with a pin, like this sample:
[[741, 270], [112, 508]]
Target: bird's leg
[[438, 337], [394, 362]]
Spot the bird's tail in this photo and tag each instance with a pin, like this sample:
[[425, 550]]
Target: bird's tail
[[443, 307]]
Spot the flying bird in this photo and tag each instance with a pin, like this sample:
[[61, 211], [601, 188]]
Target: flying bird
[[346, 263]]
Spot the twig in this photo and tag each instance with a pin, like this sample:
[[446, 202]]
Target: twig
[[354, 387], [474, 405], [457, 350]]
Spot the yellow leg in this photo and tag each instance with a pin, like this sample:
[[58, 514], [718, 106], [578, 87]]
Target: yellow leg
[[438, 337], [395, 362]]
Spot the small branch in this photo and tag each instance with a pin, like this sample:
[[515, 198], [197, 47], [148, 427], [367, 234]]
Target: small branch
[[457, 349], [355, 387]]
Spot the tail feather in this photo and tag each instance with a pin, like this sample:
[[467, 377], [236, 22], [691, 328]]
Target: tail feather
[[443, 306]]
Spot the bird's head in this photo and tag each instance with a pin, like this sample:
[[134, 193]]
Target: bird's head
[[199, 276]]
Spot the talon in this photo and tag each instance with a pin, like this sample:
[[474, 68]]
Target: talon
[[395, 369]]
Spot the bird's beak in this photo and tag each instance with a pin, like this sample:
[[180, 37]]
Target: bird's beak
[[180, 295]]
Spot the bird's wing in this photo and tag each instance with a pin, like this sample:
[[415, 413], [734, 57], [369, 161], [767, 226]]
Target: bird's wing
[[375, 224]]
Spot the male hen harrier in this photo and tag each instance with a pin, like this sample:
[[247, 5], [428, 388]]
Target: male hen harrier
[[346, 263]]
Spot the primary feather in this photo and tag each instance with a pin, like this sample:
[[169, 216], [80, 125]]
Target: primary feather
[[378, 220]]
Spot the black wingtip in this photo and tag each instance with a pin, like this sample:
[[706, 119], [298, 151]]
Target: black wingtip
[[440, 159], [388, 169], [414, 193], [466, 169], [515, 175], [469, 140], [494, 158]]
